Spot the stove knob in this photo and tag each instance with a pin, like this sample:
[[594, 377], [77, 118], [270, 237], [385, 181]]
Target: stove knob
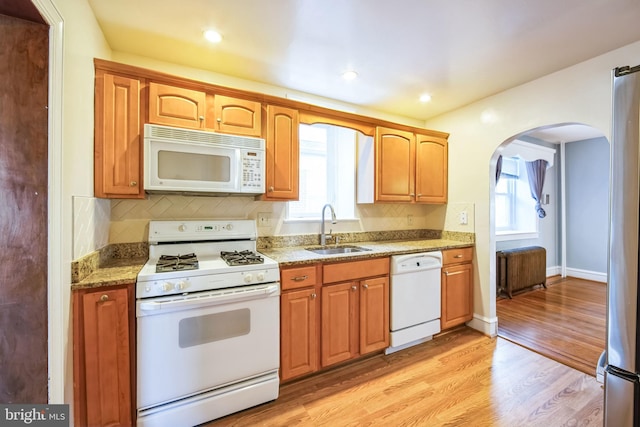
[[182, 227], [260, 277], [167, 286], [182, 286], [229, 227], [248, 278]]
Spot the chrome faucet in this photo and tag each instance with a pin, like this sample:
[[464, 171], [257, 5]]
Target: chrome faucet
[[323, 236]]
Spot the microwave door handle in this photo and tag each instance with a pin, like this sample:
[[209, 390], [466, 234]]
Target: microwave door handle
[[234, 295]]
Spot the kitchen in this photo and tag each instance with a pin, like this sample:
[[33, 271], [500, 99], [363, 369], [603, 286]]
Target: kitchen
[[469, 178]]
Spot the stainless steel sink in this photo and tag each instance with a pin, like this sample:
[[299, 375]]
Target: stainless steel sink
[[337, 250]]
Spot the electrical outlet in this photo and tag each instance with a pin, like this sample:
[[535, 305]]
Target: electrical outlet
[[464, 220], [264, 219]]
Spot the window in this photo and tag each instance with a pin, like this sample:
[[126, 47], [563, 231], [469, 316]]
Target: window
[[515, 208], [327, 172]]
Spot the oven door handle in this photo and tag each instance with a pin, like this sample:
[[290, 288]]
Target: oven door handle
[[211, 299]]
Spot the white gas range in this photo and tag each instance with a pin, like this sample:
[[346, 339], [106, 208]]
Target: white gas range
[[207, 323]]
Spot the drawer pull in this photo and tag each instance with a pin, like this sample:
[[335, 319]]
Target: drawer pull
[[458, 256], [104, 297], [300, 278]]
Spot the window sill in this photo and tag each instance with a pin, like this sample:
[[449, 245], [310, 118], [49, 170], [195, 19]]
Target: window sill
[[504, 236]]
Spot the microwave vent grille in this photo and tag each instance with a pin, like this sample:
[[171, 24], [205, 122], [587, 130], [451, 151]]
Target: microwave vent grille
[[186, 135]]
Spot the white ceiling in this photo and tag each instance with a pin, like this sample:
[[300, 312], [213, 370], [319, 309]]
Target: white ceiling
[[458, 51]]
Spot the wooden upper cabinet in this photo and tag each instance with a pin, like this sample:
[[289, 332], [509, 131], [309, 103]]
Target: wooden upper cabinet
[[394, 165], [117, 136], [237, 116], [283, 154], [431, 169], [176, 106]]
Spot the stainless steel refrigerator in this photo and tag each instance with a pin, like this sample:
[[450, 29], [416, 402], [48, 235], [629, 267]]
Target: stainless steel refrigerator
[[622, 372]]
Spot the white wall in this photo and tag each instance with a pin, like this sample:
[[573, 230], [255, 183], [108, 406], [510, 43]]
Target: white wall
[[579, 94]]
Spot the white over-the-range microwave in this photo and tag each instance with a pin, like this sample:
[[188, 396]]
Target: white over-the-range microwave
[[198, 162]]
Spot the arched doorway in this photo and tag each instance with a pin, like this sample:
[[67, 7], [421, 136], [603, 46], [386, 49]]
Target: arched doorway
[[574, 232]]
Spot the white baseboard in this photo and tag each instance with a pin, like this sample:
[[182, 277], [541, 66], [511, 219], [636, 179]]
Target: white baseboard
[[484, 324], [587, 275], [577, 273]]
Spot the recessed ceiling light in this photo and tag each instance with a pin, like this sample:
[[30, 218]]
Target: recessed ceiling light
[[425, 97], [349, 75], [213, 36]]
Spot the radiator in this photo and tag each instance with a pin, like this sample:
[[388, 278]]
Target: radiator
[[521, 268]]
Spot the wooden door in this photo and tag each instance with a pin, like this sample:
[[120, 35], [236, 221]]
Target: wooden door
[[283, 154], [431, 169], [117, 140], [237, 116], [23, 212], [394, 165], [176, 106], [374, 314], [457, 295], [340, 323], [299, 345], [107, 358]]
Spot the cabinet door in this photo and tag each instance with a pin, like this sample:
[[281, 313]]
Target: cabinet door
[[395, 165], [431, 169], [374, 314], [283, 154], [117, 138], [299, 350], [107, 358], [340, 322], [176, 106], [457, 295], [237, 116]]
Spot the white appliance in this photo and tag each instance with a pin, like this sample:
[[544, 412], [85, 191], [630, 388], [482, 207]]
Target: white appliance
[[192, 161], [415, 299], [208, 323]]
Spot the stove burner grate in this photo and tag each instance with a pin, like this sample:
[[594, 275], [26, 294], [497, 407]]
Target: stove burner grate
[[241, 258], [177, 263]]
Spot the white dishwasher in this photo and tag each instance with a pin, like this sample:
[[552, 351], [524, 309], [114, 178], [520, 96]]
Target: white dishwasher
[[415, 299]]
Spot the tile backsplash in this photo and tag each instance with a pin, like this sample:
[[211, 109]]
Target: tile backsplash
[[91, 223], [130, 218]]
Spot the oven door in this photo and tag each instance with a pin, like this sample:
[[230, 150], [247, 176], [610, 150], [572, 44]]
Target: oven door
[[198, 342]]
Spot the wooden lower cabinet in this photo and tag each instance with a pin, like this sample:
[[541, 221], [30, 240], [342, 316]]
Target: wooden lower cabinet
[[299, 348], [332, 313], [104, 374], [457, 287]]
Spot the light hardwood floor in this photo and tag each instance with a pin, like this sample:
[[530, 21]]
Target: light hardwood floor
[[566, 321], [461, 378]]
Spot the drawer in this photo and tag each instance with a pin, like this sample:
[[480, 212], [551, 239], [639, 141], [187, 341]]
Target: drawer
[[456, 256], [299, 277], [352, 270]]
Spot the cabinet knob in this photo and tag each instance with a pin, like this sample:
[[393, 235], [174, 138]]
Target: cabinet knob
[[313, 295], [202, 118], [412, 195], [354, 288], [104, 298], [133, 183], [365, 286], [219, 120], [271, 189]]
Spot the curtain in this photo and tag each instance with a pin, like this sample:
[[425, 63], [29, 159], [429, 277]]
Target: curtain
[[536, 171], [498, 168]]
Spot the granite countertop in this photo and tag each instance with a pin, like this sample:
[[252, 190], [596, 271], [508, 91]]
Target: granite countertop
[[299, 255], [119, 264], [113, 272]]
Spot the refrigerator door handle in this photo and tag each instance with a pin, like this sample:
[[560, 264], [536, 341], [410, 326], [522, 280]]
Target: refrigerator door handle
[[621, 397]]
